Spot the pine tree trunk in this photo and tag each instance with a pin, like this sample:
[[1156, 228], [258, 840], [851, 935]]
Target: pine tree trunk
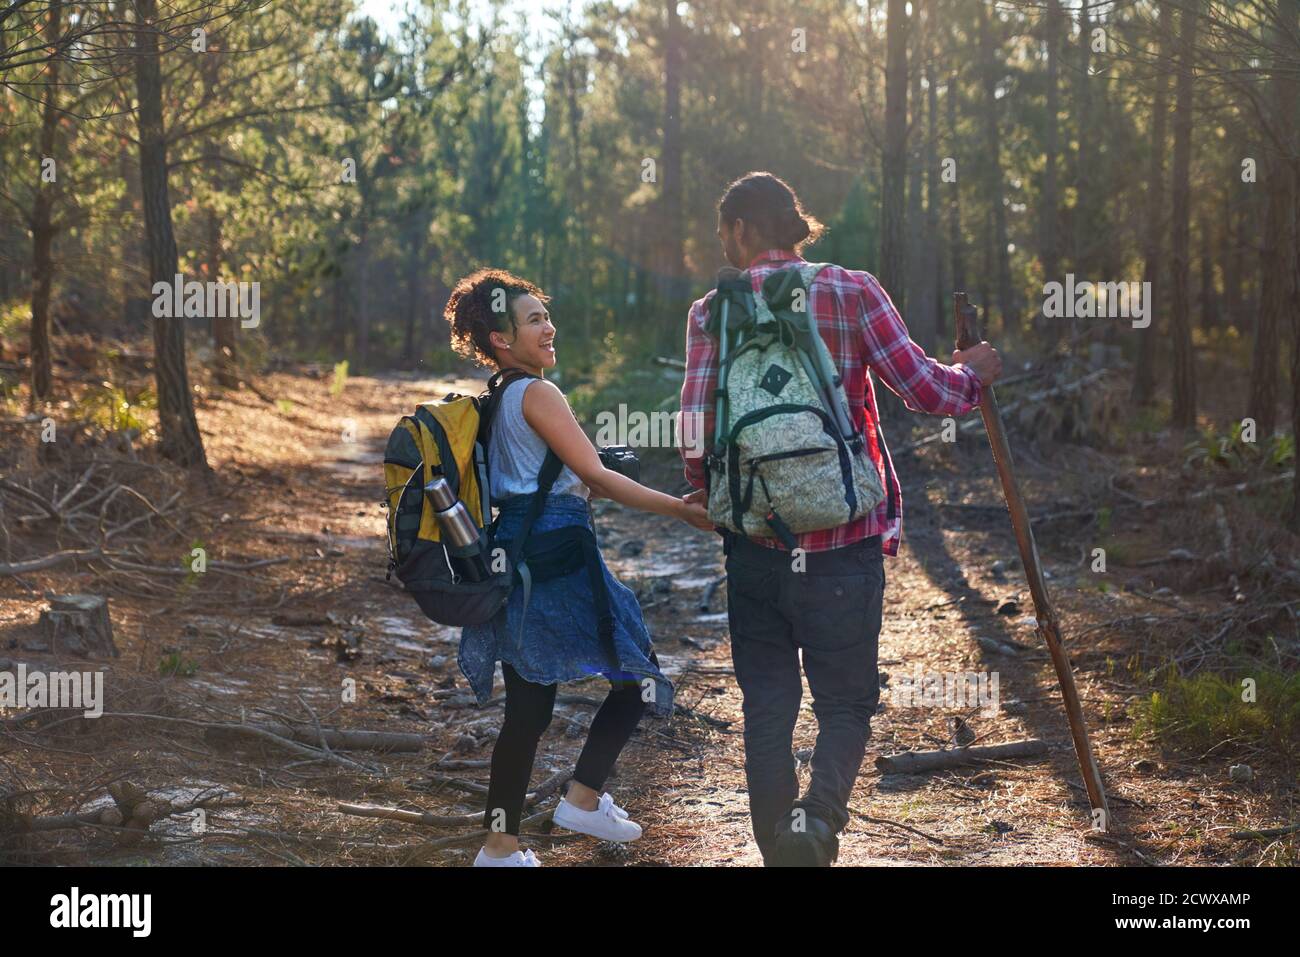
[[1051, 257], [955, 240], [993, 161], [1184, 377], [1230, 250], [893, 192], [1278, 260], [1144, 372], [920, 320], [42, 223], [181, 441], [938, 288], [1209, 298], [670, 220], [225, 356], [412, 340], [1085, 232]]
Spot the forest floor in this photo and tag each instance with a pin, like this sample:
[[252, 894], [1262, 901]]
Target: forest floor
[[281, 641]]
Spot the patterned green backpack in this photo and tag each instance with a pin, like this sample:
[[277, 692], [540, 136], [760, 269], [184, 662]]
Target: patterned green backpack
[[786, 456]]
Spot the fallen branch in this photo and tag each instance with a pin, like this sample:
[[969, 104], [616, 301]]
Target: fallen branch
[[905, 827], [709, 592], [343, 739], [1145, 504], [89, 554], [1036, 397], [544, 790], [537, 819], [105, 817], [35, 498], [251, 731], [80, 484], [410, 817], [50, 561], [1266, 833], [158, 513], [919, 762]]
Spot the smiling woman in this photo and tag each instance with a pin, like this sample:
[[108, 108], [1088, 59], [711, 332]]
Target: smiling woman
[[572, 619]]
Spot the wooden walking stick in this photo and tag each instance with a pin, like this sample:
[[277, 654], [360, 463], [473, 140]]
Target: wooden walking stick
[[968, 335]]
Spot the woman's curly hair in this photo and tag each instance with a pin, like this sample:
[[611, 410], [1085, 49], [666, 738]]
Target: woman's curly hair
[[476, 309]]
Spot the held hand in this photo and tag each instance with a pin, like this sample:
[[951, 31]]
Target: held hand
[[699, 495], [693, 512], [983, 359]]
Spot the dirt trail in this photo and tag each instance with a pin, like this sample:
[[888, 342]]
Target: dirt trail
[[304, 480], [688, 786]]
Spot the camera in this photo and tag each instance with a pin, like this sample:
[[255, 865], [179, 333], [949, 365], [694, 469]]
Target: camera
[[621, 459]]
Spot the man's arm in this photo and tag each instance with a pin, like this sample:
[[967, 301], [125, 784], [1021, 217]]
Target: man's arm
[[923, 383], [695, 427]]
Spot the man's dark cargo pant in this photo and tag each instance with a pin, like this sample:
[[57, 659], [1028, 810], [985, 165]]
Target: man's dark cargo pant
[[831, 612]]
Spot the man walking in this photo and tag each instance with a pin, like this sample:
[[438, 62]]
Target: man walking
[[824, 600]]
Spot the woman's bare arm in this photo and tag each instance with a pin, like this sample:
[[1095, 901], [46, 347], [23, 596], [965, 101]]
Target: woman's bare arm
[[547, 411]]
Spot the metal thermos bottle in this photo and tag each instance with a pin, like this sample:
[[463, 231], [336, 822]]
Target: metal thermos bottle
[[457, 527]]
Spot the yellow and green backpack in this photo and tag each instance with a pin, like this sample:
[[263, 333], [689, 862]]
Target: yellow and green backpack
[[445, 438], [449, 438]]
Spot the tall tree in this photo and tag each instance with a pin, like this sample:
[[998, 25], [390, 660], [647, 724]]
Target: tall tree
[[1144, 371], [1049, 231], [990, 71], [956, 242], [893, 191], [181, 440], [936, 293], [920, 271], [42, 222], [670, 193], [1184, 370], [1277, 300]]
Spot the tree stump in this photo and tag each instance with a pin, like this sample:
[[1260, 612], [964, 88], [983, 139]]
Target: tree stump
[[79, 626]]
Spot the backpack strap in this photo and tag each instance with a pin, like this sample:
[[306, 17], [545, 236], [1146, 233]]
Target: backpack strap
[[490, 401], [550, 471], [546, 478], [730, 310], [775, 306], [810, 271]]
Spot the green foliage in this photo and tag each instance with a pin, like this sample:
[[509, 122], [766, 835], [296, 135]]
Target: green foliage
[[524, 146], [15, 316], [176, 665], [1141, 421], [1226, 451], [340, 377], [1104, 515], [620, 378], [1206, 709], [188, 563], [115, 409]]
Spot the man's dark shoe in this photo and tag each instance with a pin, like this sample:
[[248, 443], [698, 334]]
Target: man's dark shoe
[[813, 844]]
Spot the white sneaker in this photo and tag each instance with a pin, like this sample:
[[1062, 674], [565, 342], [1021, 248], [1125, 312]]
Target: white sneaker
[[609, 822], [517, 859]]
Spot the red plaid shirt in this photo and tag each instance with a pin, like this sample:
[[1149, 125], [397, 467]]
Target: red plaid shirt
[[862, 330]]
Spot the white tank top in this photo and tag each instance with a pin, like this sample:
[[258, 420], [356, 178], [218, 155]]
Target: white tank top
[[516, 452]]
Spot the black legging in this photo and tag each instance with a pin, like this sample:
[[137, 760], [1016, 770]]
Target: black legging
[[528, 714]]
